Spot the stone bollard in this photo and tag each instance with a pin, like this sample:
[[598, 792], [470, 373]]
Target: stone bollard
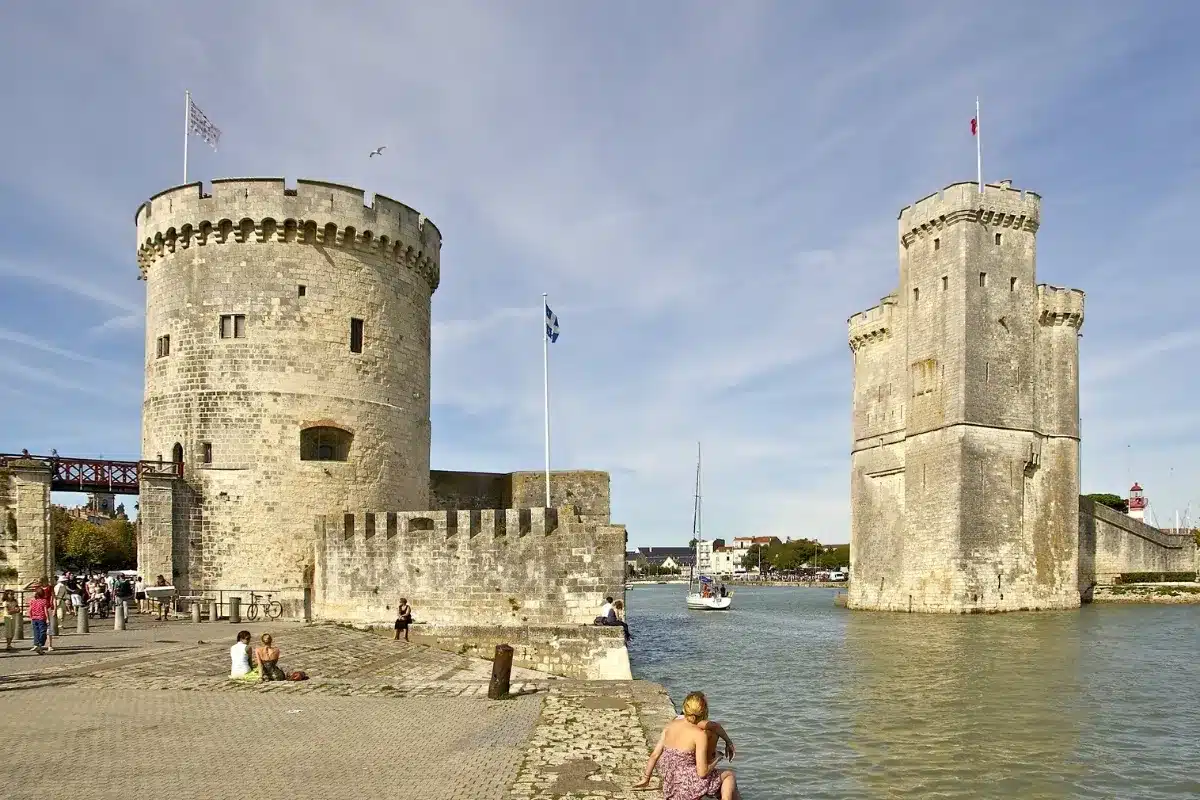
[[81, 621], [501, 671], [196, 611], [214, 611], [235, 610], [119, 616], [20, 626], [52, 625], [307, 604]]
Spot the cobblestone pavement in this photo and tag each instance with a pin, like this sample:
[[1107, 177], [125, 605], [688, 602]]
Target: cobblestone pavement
[[151, 710], [233, 746], [592, 741]]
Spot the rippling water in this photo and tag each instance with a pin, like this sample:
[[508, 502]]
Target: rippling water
[[828, 703]]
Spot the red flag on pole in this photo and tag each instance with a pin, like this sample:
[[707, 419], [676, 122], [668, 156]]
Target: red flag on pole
[[974, 126]]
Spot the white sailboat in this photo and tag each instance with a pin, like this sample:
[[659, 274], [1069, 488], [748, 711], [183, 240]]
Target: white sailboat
[[702, 595]]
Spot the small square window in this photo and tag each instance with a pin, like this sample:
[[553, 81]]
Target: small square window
[[983, 279], [1012, 284], [301, 290], [163, 347], [945, 282], [937, 244], [206, 452], [997, 238], [233, 326], [356, 335]]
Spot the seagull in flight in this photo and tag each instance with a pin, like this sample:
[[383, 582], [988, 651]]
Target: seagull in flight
[[377, 152]]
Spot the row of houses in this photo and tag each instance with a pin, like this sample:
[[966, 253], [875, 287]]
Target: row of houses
[[711, 557]]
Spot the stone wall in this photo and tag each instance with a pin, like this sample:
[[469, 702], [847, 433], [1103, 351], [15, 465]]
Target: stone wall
[[570, 651], [585, 490], [1112, 543], [504, 568], [25, 512]]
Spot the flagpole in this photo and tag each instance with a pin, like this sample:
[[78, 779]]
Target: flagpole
[[546, 386], [187, 119], [978, 146]]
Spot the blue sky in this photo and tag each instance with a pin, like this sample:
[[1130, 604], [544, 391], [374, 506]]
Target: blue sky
[[706, 191]]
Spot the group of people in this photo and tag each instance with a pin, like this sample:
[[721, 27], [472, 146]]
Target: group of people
[[97, 594], [260, 663], [610, 615]]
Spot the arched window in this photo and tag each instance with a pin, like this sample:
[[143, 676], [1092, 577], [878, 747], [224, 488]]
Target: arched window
[[325, 443], [177, 454]]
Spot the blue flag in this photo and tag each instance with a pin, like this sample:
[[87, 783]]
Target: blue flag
[[551, 325]]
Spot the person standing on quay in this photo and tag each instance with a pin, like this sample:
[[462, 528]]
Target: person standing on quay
[[39, 614], [11, 608], [403, 618]]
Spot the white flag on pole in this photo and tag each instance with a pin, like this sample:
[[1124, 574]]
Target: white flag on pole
[[199, 125]]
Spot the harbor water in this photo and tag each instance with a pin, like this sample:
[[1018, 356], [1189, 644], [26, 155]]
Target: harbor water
[[822, 702]]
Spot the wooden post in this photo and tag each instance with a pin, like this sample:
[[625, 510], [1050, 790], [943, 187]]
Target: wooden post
[[501, 672]]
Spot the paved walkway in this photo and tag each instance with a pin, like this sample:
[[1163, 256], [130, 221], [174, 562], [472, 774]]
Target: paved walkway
[[149, 711]]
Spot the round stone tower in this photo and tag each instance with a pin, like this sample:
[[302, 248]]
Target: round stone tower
[[287, 368]]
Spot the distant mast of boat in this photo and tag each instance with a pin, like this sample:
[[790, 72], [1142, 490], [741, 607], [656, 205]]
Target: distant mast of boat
[[696, 522]]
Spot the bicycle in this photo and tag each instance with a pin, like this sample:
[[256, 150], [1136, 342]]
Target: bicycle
[[272, 609]]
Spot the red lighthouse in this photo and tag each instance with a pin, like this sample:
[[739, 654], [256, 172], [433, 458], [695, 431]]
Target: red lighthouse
[[1137, 502]]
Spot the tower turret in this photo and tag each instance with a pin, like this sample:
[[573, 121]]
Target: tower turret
[[969, 501], [287, 368]]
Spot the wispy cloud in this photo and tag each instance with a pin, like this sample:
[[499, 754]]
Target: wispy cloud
[[30, 342]]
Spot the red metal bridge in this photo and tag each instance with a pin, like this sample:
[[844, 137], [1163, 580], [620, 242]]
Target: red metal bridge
[[96, 474]]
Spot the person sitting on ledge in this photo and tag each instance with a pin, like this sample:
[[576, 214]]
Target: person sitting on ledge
[[619, 608], [267, 657], [239, 658], [687, 751]]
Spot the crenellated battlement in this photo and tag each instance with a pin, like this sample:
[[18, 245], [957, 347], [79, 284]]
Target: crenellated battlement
[[488, 523], [1060, 306], [873, 325], [260, 210], [999, 206]]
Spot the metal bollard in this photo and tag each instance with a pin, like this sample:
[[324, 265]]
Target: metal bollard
[[81, 621], [235, 610], [119, 617], [196, 612], [501, 671], [20, 626], [214, 611]]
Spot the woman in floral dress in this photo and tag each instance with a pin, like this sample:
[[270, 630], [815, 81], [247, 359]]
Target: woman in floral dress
[[686, 761]]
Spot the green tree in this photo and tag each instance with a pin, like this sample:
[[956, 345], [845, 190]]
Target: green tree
[[107, 546], [60, 527], [837, 558], [1110, 500]]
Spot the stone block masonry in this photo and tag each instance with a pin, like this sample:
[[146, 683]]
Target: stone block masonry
[[287, 369], [493, 567], [1112, 544], [965, 471], [26, 543]]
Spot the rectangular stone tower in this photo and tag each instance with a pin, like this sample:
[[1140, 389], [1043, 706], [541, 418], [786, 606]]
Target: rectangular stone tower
[[965, 464]]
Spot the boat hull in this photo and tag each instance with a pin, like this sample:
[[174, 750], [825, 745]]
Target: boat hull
[[697, 603]]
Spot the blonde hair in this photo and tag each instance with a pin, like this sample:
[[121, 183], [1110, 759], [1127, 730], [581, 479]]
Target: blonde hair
[[266, 639], [695, 707]]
